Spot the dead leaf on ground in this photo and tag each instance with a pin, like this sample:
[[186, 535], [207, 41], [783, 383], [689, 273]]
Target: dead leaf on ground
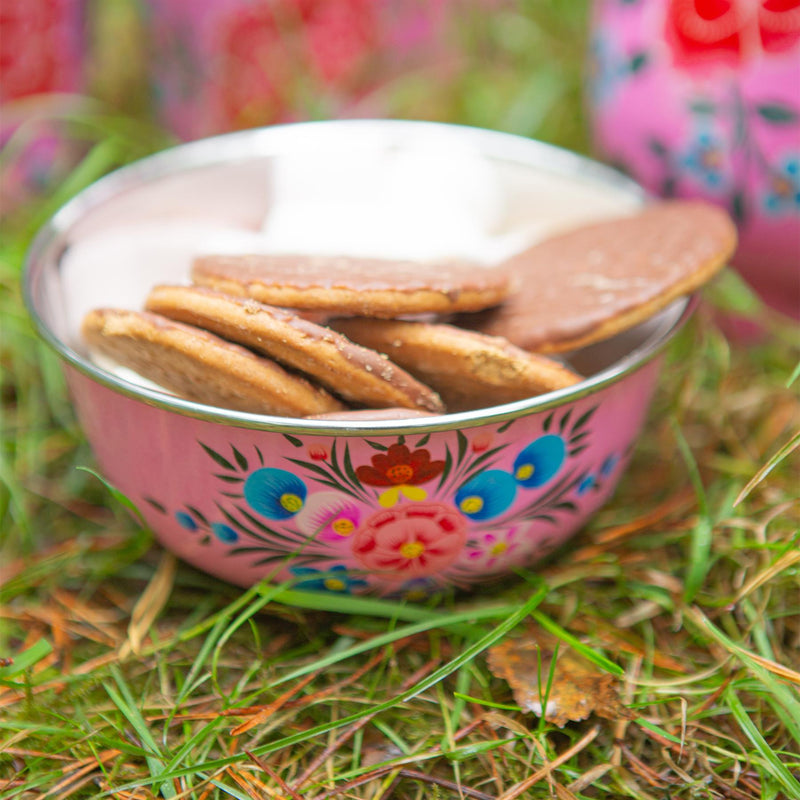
[[577, 688]]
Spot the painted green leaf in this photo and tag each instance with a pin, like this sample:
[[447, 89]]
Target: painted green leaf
[[777, 113], [156, 505], [506, 425], [638, 61], [240, 459], [197, 514], [738, 208], [219, 459], [583, 419], [463, 443], [657, 148], [293, 440], [702, 107], [229, 478]]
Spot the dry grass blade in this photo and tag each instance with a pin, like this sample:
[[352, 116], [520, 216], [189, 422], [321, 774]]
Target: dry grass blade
[[267, 711], [150, 605], [543, 772], [767, 468]]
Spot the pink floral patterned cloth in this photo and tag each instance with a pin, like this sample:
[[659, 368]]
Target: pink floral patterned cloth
[[702, 98], [42, 57], [221, 65]]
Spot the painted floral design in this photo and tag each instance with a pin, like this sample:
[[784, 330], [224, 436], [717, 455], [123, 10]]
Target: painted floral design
[[275, 493], [709, 33], [336, 579], [242, 63], [490, 503], [540, 461], [783, 192], [487, 495], [402, 470], [705, 160], [712, 112], [329, 515], [494, 550], [415, 539]]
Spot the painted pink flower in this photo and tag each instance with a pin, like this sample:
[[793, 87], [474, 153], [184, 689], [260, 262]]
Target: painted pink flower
[[411, 540], [496, 550], [328, 515]]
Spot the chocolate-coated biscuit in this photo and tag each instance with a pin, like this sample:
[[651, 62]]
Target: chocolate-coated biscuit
[[590, 283]]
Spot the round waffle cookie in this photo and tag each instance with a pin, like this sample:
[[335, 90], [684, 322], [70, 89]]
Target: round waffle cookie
[[355, 373], [591, 283], [200, 366], [369, 287], [468, 369]]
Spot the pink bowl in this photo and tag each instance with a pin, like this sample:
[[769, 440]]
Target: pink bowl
[[397, 507]]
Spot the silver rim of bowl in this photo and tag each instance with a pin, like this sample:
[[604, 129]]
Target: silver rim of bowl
[[233, 148]]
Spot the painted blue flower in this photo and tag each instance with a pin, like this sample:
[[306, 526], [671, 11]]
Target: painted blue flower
[[334, 579], [705, 160], [784, 188], [275, 493], [540, 461], [607, 69], [186, 520], [224, 532], [487, 495], [587, 482], [609, 464]]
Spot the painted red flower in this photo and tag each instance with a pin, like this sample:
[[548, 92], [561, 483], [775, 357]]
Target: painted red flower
[[400, 466], [411, 540], [701, 33], [317, 452], [35, 54]]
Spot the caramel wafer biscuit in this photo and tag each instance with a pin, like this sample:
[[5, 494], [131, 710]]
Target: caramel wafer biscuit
[[357, 374], [370, 287], [469, 370], [200, 366]]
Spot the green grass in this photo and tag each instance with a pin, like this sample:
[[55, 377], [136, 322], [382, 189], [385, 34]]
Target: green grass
[[132, 676]]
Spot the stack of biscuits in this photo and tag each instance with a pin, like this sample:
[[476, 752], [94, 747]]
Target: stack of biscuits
[[339, 336]]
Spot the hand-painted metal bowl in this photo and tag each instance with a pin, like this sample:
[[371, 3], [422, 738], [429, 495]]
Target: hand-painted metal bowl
[[396, 507]]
